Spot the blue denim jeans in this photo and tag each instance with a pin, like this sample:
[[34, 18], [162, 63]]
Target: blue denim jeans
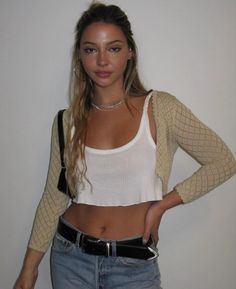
[[73, 269]]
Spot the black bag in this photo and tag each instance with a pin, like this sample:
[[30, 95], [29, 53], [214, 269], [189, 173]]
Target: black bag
[[62, 182]]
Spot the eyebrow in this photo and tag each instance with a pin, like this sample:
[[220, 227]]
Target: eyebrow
[[109, 43]]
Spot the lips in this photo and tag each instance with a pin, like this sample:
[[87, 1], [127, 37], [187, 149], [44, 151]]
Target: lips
[[103, 74]]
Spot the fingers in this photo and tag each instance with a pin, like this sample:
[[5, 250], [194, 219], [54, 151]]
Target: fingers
[[152, 223], [155, 236], [147, 227], [150, 232], [146, 234]]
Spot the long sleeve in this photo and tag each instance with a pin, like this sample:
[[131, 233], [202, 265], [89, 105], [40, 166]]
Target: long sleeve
[[53, 202], [206, 147]]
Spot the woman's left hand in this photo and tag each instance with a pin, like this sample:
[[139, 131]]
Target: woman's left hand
[[152, 222]]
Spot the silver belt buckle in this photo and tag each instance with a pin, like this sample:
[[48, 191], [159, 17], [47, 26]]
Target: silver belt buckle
[[154, 252]]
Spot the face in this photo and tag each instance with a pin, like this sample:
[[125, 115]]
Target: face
[[104, 53]]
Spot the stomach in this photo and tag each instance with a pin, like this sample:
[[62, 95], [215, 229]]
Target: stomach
[[113, 223]]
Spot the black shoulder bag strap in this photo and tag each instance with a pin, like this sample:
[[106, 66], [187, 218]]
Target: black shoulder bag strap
[[62, 183]]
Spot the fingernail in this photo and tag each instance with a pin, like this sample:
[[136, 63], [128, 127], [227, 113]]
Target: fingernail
[[144, 241]]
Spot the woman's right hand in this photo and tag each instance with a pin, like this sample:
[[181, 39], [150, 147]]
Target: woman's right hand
[[29, 271], [26, 279]]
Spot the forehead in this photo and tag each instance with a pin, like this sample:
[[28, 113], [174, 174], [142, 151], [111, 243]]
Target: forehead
[[100, 31]]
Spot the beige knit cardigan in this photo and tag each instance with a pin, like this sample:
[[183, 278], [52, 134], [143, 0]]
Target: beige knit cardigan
[[176, 127]]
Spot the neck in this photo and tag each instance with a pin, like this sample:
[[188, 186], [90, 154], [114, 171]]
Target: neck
[[108, 96]]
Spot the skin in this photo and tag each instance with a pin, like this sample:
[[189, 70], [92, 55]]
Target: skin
[[104, 54], [104, 49]]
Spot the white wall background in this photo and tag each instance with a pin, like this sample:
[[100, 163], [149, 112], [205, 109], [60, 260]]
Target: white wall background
[[186, 47]]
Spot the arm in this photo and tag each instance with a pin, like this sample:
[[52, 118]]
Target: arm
[[155, 213], [29, 271], [52, 204], [207, 148], [217, 161]]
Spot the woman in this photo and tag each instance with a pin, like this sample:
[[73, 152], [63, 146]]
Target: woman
[[120, 143]]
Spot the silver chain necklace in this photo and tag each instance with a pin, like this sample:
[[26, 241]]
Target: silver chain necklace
[[107, 106]]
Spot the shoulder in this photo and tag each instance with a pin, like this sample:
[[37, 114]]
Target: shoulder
[[64, 114], [165, 103], [165, 99]]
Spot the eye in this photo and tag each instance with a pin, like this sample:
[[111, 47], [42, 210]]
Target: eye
[[89, 50], [115, 49]]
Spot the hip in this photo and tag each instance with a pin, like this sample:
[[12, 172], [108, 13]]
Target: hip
[[73, 268]]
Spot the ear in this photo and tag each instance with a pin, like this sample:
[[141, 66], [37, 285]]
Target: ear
[[130, 53]]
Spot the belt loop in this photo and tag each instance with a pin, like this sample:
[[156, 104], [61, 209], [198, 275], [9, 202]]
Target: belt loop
[[80, 238], [113, 248]]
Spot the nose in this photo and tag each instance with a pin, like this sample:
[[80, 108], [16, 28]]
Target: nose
[[102, 58]]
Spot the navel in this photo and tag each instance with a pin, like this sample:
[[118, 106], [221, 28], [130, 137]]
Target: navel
[[103, 229]]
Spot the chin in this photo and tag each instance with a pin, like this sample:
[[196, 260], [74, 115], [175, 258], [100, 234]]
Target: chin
[[103, 84]]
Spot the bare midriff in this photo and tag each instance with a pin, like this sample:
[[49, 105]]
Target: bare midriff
[[114, 223]]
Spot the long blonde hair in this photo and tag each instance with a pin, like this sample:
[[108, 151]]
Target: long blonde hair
[[82, 88]]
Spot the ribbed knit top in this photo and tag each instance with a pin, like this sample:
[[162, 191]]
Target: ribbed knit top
[[115, 174]]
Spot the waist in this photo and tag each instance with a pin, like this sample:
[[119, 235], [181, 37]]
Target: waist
[[108, 222], [129, 247]]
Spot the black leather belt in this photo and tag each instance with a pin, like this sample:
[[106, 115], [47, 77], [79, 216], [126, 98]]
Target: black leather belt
[[132, 248]]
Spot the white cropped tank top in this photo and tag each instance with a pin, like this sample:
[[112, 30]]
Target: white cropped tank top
[[124, 175]]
